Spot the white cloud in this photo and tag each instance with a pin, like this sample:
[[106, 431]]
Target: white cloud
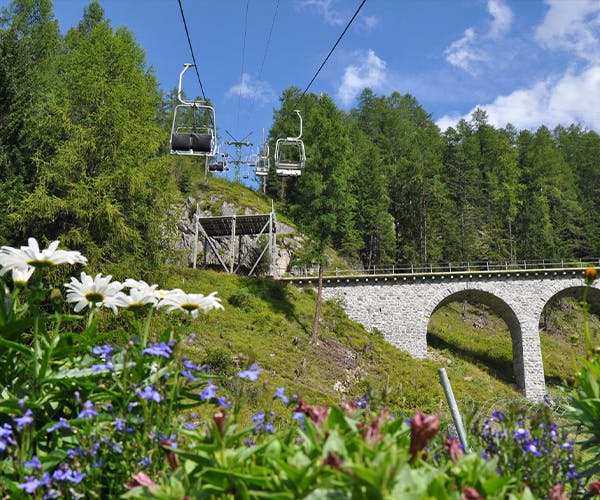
[[572, 98], [248, 88], [472, 47], [463, 52], [334, 17], [326, 10], [369, 23], [368, 71], [573, 26], [503, 18]]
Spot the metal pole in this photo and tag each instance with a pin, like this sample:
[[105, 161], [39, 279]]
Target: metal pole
[[232, 243], [453, 408], [197, 217]]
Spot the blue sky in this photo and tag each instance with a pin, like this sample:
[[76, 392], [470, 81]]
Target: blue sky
[[527, 62]]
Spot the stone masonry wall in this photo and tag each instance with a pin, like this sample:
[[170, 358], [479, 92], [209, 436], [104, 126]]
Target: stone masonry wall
[[401, 306]]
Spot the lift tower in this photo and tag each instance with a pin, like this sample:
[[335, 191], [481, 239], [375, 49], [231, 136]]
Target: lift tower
[[236, 158]]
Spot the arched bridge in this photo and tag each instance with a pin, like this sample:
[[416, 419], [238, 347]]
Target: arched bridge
[[400, 306]]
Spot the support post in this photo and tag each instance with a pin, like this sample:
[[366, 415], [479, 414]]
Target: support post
[[197, 217], [453, 408], [232, 244]]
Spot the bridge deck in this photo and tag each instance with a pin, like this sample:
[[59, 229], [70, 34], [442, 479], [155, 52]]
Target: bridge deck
[[404, 275]]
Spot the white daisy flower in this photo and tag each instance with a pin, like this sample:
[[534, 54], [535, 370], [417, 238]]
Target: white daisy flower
[[21, 276], [190, 303], [31, 256], [98, 291], [139, 285], [137, 298]]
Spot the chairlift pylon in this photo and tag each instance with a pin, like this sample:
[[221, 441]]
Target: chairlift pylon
[[290, 156], [193, 132]]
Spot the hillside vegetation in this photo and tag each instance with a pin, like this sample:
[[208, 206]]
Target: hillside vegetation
[[270, 322], [84, 159]]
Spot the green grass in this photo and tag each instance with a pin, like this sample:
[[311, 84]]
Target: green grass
[[270, 322]]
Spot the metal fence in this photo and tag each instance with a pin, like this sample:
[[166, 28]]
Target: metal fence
[[450, 267]]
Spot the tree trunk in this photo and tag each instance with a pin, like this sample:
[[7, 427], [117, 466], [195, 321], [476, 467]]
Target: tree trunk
[[314, 336]]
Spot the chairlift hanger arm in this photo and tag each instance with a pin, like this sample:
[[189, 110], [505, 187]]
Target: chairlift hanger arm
[[299, 135]]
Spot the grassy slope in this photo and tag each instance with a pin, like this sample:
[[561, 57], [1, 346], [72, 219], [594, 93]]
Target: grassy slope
[[268, 322]]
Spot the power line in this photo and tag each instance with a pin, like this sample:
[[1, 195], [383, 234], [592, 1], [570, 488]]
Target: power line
[[330, 52], [187, 34]]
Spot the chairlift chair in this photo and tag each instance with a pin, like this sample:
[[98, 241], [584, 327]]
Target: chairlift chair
[[193, 132], [219, 163], [290, 156], [262, 162]]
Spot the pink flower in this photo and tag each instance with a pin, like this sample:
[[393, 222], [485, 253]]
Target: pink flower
[[471, 494], [140, 479], [594, 488], [317, 414], [422, 430], [454, 449]]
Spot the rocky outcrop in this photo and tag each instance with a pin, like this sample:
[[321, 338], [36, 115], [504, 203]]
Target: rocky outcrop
[[288, 240]]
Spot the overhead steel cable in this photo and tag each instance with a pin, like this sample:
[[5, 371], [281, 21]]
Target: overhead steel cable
[[262, 64], [330, 52], [187, 34], [243, 61]]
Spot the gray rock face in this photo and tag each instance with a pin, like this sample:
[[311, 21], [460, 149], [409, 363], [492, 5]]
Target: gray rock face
[[288, 240]]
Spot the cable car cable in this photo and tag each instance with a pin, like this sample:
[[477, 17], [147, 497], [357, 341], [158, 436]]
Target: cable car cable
[[187, 34], [243, 61], [262, 64], [330, 52]]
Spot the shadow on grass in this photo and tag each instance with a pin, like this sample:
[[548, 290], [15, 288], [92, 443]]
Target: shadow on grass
[[274, 293], [498, 368]]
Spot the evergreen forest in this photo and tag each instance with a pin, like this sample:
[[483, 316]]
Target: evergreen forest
[[84, 131]]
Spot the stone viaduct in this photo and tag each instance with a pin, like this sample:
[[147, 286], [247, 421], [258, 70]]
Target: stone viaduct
[[400, 306]]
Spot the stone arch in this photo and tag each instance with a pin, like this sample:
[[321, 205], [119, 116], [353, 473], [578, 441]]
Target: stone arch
[[498, 306], [575, 290]]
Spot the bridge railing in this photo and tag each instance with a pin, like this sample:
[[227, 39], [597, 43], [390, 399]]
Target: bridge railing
[[450, 267]]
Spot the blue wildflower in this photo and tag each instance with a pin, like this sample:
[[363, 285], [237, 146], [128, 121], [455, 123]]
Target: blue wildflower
[[66, 474], [532, 448], [88, 410], [520, 433], [26, 419], [499, 416], [189, 376], [6, 436], [120, 424], [209, 392], [149, 393], [299, 417], [104, 350], [32, 483], [145, 462], [221, 401], [190, 366], [34, 463], [161, 349], [279, 394], [252, 373]]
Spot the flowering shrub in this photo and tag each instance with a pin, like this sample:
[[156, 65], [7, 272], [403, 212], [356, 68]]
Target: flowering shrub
[[77, 417], [531, 448]]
